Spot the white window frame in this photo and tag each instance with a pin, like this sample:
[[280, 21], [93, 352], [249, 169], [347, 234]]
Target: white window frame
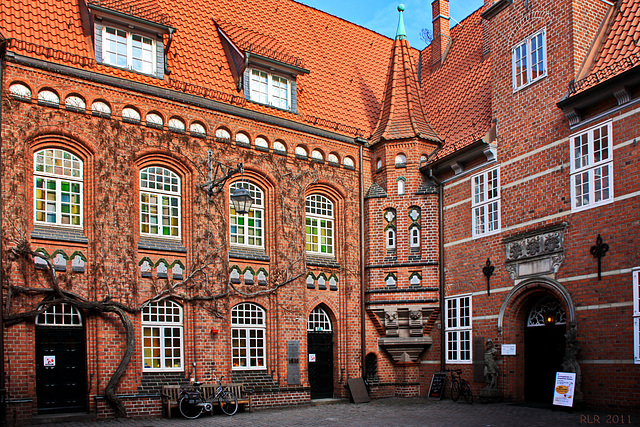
[[165, 318], [528, 51], [485, 203], [129, 41], [248, 337], [58, 167], [319, 321], [587, 164], [319, 218], [636, 314], [414, 236], [458, 329], [270, 89], [249, 226], [172, 192]]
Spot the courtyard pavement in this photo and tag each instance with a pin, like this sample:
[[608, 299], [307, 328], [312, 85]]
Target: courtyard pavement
[[389, 412]]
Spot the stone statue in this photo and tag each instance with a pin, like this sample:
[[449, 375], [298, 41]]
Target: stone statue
[[570, 361], [490, 366]]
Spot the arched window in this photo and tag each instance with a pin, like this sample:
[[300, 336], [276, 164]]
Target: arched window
[[333, 158], [130, 115], [349, 163], [301, 151], [58, 182], [401, 161], [414, 233], [319, 225], [247, 229], [279, 147], [176, 124], [20, 91], [243, 139], [63, 314], [414, 228], [223, 134], [379, 164], [75, 103], [162, 336], [319, 321], [160, 202], [154, 120], [101, 109], [401, 185], [390, 229], [48, 97], [261, 143], [197, 129], [317, 155], [248, 340]]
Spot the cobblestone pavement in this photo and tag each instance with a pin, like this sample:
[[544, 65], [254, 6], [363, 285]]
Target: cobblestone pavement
[[390, 412]]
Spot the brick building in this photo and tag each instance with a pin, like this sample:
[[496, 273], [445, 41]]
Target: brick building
[[403, 174]]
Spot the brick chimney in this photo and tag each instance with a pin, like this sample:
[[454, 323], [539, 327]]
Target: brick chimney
[[441, 38]]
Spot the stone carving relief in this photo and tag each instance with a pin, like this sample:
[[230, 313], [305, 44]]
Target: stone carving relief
[[536, 252]]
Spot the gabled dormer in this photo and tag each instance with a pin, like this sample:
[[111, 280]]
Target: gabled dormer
[[261, 68], [131, 36]]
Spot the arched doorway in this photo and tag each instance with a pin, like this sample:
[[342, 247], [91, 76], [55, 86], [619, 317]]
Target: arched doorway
[[61, 365], [320, 349], [544, 348]]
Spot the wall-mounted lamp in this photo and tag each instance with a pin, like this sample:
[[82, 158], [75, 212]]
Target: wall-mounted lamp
[[240, 198], [549, 317]]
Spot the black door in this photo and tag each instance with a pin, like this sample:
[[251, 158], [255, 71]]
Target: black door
[[320, 347], [61, 369], [544, 351]]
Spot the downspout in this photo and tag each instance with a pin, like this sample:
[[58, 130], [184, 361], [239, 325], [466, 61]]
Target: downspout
[[363, 329], [442, 264], [3, 391], [166, 50]]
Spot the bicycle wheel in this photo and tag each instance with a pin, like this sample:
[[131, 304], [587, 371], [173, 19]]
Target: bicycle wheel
[[228, 402], [466, 392], [455, 391], [188, 409]]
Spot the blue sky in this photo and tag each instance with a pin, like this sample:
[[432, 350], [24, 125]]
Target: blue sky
[[381, 16]]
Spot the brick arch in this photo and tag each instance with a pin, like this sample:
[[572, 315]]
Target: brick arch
[[524, 24], [522, 294], [176, 161], [326, 306], [54, 138]]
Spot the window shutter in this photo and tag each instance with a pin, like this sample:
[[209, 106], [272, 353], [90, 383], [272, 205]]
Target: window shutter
[[294, 95], [97, 36], [160, 59]]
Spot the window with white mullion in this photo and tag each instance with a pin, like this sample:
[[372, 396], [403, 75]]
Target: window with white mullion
[[248, 339], [162, 333], [128, 50], [58, 188], [636, 314], [247, 229], [280, 92], [458, 329], [319, 225], [160, 202], [259, 86], [486, 203], [591, 167], [529, 60], [270, 89]]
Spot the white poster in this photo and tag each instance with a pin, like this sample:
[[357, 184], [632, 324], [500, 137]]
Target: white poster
[[563, 392], [49, 361], [312, 357]]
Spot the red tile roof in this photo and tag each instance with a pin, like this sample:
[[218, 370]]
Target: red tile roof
[[402, 115], [457, 95], [619, 51], [348, 64]]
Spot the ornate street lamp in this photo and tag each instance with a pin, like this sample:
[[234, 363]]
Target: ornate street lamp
[[240, 197]]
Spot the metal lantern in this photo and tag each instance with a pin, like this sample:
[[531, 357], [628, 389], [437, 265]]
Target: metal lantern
[[242, 200]]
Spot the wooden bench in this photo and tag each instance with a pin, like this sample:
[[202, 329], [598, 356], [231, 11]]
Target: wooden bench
[[171, 394]]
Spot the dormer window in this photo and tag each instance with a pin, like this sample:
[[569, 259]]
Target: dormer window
[[128, 50], [270, 89], [125, 39]]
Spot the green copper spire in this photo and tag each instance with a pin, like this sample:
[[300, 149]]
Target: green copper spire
[[401, 34]]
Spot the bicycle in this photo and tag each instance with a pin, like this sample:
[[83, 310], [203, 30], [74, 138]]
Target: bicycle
[[459, 387], [192, 402]]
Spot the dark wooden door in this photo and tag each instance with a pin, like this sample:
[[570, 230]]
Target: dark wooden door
[[544, 351], [320, 347], [61, 369]]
